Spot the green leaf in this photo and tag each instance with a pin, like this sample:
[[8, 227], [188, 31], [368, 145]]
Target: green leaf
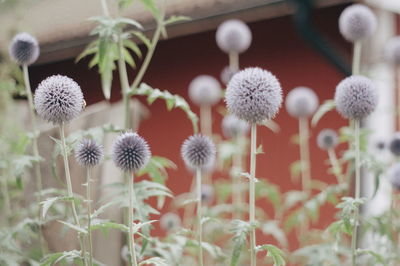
[[275, 253], [327, 106], [46, 205], [133, 46], [156, 261], [142, 38], [174, 19], [74, 227], [129, 21], [272, 125], [240, 229], [151, 6]]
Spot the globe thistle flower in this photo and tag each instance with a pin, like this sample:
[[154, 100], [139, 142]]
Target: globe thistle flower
[[254, 95], [205, 90], [392, 50], [301, 102], [233, 36], [327, 139], [356, 97], [394, 175], [24, 49], [58, 99], [170, 221], [226, 74], [394, 145], [88, 153], [198, 151], [207, 193], [233, 127], [130, 152], [357, 22]]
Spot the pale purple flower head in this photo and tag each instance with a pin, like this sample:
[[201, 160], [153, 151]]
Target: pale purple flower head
[[327, 139], [226, 74], [58, 99], [356, 97], [170, 221], [24, 49], [394, 145], [130, 152], [301, 102], [207, 193], [233, 127], [254, 95], [233, 36], [392, 50], [205, 90], [394, 175], [88, 153], [198, 151], [357, 22]]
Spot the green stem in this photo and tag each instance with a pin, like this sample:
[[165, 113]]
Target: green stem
[[132, 249], [337, 170], [237, 184], [70, 192], [104, 6], [199, 225], [253, 149], [357, 191], [356, 58], [89, 213], [123, 77], [35, 150], [304, 154], [234, 61], [206, 120], [6, 196]]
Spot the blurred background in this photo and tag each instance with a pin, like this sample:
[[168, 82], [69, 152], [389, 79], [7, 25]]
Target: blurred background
[[297, 40]]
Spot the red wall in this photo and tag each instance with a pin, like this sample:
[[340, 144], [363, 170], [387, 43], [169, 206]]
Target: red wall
[[276, 47]]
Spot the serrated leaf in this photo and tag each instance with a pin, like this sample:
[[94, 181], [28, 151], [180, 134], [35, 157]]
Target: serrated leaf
[[131, 45], [142, 38], [46, 205], [174, 19], [275, 253], [74, 227], [156, 261]]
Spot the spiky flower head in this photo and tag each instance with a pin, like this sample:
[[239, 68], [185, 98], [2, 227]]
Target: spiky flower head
[[254, 95], [205, 90], [226, 74], [394, 145], [130, 152], [394, 175], [233, 127], [88, 153], [24, 49], [198, 151], [207, 193], [301, 102], [170, 221], [233, 36], [356, 97], [357, 22], [58, 99], [327, 139], [392, 50]]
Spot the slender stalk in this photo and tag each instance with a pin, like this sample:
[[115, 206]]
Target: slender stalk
[[337, 171], [357, 191], [234, 61], [356, 58], [35, 150], [6, 197], [89, 212], [70, 192], [206, 120], [304, 154], [199, 225], [252, 196], [397, 109], [123, 77], [237, 184], [104, 6], [132, 249]]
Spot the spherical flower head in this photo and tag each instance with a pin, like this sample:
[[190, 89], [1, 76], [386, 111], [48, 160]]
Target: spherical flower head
[[394, 145], [357, 22], [394, 175], [392, 50], [170, 221], [233, 127], [205, 90], [58, 99], [130, 152], [327, 139], [356, 97], [301, 102], [226, 74], [254, 95], [198, 151], [207, 193], [24, 49], [233, 36], [88, 153]]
